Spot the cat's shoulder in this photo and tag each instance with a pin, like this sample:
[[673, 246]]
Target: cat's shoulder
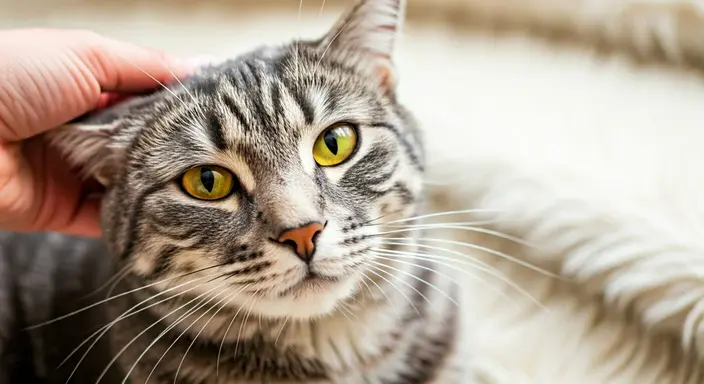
[[44, 276]]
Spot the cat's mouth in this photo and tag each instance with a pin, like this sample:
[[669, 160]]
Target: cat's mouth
[[312, 282]]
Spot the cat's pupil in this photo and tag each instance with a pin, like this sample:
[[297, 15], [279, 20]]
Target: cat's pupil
[[331, 142], [207, 178]]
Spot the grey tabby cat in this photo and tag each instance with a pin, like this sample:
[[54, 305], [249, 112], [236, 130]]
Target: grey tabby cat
[[254, 220]]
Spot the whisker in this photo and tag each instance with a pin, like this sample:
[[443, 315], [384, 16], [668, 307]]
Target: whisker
[[363, 281], [171, 326], [159, 82], [339, 308], [431, 285], [394, 285], [432, 224], [380, 217], [104, 329], [466, 260], [471, 229], [345, 308], [354, 298], [320, 13], [484, 249], [229, 299], [114, 285], [487, 231], [195, 102], [395, 258], [243, 324], [222, 343], [281, 330], [116, 277], [388, 300], [330, 44], [446, 213], [489, 270], [469, 261], [121, 351], [119, 295]]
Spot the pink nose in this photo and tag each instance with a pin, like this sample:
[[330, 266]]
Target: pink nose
[[302, 239]]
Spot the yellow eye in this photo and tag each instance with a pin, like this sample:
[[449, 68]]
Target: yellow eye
[[335, 145], [208, 182]]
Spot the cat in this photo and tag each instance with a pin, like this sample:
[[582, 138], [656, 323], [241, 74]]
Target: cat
[[261, 223]]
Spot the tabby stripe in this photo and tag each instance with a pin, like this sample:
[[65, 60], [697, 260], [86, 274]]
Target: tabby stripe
[[276, 102], [253, 74], [215, 130], [256, 268], [160, 229], [382, 178], [163, 260], [133, 230], [303, 104], [404, 142], [429, 354], [425, 273], [403, 191], [368, 165], [235, 109]]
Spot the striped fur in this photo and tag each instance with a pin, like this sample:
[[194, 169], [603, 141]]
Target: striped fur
[[236, 314]]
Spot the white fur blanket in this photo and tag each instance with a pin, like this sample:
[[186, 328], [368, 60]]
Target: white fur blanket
[[598, 167]]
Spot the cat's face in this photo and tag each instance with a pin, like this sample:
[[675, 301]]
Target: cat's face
[[268, 175]]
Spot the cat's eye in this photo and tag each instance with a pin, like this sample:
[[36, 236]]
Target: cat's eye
[[335, 145], [208, 182]]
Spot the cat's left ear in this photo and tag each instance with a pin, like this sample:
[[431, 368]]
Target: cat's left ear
[[371, 29], [89, 147]]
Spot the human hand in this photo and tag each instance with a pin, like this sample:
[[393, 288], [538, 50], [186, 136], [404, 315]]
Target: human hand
[[47, 78]]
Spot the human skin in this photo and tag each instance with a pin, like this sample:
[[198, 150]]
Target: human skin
[[47, 78]]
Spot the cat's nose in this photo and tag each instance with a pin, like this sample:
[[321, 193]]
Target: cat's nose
[[302, 239]]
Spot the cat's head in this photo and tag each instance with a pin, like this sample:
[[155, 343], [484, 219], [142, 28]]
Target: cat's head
[[268, 174]]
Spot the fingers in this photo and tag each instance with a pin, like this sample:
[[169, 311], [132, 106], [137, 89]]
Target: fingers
[[86, 221], [108, 99], [56, 198], [126, 68], [49, 77]]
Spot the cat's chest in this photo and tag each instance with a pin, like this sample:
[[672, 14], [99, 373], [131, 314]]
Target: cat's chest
[[296, 353], [385, 348]]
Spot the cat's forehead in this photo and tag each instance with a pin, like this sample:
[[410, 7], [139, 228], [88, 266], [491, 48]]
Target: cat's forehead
[[271, 92], [262, 106]]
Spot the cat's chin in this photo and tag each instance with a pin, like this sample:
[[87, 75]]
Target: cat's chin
[[309, 299]]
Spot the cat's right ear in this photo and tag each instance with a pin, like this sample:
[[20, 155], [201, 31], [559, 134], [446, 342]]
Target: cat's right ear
[[90, 148], [370, 28]]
